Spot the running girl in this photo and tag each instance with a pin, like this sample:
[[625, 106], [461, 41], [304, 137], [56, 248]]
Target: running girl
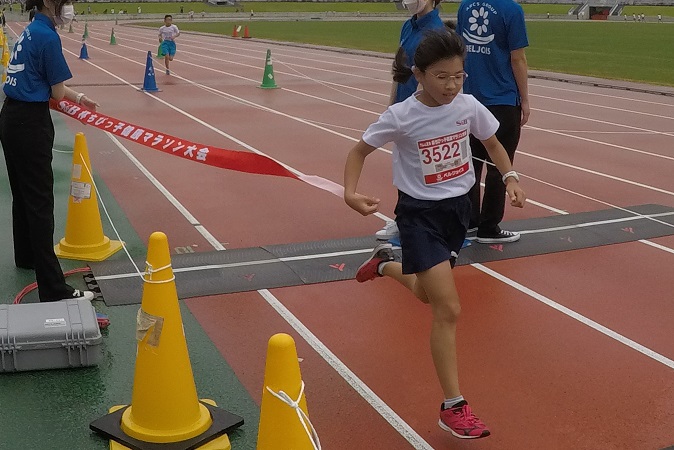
[[433, 171]]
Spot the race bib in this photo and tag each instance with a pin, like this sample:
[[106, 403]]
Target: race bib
[[444, 158]]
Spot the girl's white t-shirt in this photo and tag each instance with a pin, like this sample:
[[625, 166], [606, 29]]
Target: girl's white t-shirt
[[168, 33], [431, 147]]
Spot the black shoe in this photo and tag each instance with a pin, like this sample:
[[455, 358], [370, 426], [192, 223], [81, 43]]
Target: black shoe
[[500, 237], [80, 295]]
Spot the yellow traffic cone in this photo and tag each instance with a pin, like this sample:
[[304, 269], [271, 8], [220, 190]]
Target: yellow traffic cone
[[284, 421], [164, 405], [84, 239]]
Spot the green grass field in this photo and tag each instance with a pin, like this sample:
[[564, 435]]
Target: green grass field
[[615, 50], [625, 51], [651, 11], [198, 7], [447, 8]]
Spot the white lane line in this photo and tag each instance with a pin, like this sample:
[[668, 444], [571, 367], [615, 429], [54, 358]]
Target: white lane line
[[600, 222], [611, 108], [579, 317], [312, 256], [594, 141], [244, 51], [658, 246], [594, 172], [356, 383], [598, 94], [165, 192], [254, 262], [605, 122]]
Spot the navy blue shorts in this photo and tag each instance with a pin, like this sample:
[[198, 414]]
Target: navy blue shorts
[[431, 230]]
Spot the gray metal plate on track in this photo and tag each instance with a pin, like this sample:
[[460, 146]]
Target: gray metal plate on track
[[273, 266]]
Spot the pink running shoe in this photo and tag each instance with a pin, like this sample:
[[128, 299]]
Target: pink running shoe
[[461, 422], [368, 270]]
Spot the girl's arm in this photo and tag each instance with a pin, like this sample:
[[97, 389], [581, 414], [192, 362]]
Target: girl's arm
[[352, 170], [500, 158]]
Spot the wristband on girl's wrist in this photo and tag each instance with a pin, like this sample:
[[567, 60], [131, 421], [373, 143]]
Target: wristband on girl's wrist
[[513, 174], [79, 97]]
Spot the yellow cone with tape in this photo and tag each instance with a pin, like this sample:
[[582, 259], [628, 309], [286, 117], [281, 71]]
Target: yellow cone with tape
[[164, 404], [84, 239], [284, 420]]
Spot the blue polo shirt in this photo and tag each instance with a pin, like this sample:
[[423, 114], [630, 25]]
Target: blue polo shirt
[[36, 63], [410, 36], [491, 30]]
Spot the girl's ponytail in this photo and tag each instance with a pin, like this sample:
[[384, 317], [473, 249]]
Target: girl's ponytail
[[401, 71]]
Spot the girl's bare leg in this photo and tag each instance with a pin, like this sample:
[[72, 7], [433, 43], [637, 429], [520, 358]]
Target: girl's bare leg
[[436, 286], [395, 270]]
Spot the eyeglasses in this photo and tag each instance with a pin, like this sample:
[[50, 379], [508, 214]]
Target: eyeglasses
[[443, 77]]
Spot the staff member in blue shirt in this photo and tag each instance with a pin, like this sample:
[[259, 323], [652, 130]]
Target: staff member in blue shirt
[[425, 17], [496, 37], [36, 72]]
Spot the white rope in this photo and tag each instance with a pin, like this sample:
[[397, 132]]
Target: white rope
[[149, 270], [304, 419], [107, 214]]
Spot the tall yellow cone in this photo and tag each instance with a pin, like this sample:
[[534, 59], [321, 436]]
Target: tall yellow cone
[[283, 426], [84, 239], [164, 407]]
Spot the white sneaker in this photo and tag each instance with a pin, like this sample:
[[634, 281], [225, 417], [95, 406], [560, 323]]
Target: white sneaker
[[389, 231], [83, 295], [502, 236]]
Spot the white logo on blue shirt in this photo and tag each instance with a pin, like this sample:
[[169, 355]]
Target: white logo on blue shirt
[[479, 27], [15, 68]]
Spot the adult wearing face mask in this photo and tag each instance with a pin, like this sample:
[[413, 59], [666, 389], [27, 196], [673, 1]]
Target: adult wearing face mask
[[425, 17], [37, 70]]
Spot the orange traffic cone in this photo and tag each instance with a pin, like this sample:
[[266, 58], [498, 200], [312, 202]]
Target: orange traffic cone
[[284, 421], [164, 407], [84, 239], [235, 32], [246, 35]]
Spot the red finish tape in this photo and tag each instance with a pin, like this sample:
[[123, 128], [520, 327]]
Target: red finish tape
[[213, 156]]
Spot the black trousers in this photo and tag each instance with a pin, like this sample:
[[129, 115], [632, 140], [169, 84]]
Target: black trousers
[[488, 217], [27, 137]]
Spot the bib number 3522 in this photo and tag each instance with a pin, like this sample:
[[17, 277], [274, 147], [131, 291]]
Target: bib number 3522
[[444, 158]]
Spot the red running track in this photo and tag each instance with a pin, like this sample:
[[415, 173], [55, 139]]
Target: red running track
[[559, 351]]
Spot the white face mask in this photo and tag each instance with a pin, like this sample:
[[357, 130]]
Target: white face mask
[[415, 6]]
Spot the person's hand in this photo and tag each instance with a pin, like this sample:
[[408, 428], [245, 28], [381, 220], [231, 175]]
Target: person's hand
[[362, 203], [515, 194], [526, 111], [89, 103]]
